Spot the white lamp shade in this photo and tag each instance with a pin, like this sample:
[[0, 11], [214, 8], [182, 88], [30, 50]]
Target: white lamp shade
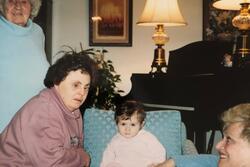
[[229, 4], [164, 12]]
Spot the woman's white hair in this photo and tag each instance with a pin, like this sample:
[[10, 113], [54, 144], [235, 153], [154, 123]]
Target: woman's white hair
[[35, 7]]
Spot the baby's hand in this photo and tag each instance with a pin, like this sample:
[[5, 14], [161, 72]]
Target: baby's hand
[[167, 163], [152, 165]]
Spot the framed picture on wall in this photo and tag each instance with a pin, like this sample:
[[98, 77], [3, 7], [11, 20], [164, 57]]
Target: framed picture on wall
[[110, 22], [217, 24]]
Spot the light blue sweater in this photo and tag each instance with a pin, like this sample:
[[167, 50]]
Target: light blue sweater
[[23, 66]]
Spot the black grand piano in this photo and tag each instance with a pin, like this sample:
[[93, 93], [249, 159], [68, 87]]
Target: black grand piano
[[198, 84]]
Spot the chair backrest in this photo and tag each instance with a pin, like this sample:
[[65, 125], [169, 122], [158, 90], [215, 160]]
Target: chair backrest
[[166, 126], [99, 128]]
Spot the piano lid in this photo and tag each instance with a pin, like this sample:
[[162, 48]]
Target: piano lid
[[198, 58]]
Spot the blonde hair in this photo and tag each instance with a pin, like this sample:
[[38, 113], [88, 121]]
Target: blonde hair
[[238, 114], [35, 7]]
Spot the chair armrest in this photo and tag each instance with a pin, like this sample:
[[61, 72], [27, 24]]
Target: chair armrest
[[204, 160]]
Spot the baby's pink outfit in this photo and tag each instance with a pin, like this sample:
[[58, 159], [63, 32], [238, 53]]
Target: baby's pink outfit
[[140, 151], [114, 164]]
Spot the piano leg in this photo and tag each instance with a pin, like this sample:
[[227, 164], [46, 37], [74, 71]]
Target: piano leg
[[194, 132], [200, 141], [210, 142]]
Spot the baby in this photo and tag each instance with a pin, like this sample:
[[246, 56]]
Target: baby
[[132, 146]]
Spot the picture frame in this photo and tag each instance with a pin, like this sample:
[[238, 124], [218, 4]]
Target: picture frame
[[217, 24], [110, 23]]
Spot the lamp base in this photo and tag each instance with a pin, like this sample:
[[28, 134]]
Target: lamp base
[[242, 53], [159, 63]]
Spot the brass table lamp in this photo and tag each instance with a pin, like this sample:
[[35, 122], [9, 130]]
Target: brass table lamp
[[242, 22], [160, 14]]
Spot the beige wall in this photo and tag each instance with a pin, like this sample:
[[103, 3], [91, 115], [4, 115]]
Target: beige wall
[[70, 27]]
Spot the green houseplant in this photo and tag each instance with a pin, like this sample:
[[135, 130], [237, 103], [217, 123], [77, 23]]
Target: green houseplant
[[106, 94]]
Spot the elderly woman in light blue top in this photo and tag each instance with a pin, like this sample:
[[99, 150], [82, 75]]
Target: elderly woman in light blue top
[[23, 62]]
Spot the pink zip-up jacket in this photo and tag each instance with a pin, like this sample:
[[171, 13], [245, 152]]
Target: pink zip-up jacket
[[43, 133]]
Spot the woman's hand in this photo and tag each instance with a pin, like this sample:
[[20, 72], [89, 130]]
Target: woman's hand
[[85, 157]]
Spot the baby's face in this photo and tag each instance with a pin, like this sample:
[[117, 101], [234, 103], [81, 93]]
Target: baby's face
[[129, 128]]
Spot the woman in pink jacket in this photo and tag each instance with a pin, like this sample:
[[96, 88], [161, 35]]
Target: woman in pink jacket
[[47, 130]]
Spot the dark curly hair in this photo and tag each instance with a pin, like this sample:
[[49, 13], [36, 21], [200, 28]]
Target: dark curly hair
[[70, 61], [129, 108]]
